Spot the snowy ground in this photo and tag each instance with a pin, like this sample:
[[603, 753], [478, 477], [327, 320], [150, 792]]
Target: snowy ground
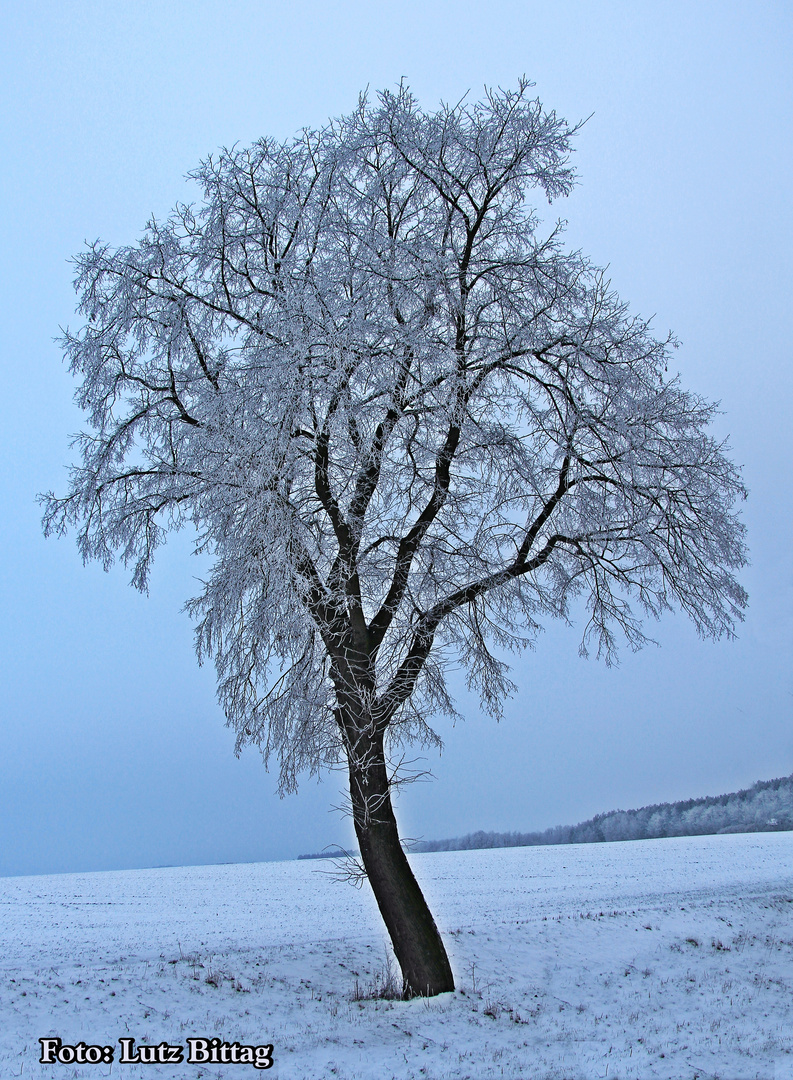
[[658, 958]]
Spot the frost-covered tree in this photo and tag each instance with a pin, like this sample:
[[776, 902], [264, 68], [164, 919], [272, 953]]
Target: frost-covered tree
[[406, 425]]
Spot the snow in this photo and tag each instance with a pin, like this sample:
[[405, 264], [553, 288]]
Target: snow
[[659, 958]]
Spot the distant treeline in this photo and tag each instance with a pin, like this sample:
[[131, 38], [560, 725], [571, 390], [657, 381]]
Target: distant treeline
[[329, 853], [765, 807]]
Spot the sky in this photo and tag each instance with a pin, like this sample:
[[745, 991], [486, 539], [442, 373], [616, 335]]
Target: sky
[[113, 750]]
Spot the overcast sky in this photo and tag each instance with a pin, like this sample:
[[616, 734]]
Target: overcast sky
[[113, 751]]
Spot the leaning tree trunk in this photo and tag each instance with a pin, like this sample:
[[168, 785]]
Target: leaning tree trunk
[[417, 944]]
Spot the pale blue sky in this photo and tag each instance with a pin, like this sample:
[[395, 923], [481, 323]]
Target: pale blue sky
[[113, 751]]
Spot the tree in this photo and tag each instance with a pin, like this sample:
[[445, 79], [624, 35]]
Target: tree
[[406, 426]]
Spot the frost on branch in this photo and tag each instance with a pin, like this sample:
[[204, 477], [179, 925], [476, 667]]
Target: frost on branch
[[404, 422]]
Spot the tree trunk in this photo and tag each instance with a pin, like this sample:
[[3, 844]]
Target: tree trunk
[[417, 944]]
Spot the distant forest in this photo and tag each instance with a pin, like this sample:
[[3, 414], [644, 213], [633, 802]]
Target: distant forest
[[330, 853], [767, 806]]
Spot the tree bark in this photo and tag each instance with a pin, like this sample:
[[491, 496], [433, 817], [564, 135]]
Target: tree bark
[[417, 944]]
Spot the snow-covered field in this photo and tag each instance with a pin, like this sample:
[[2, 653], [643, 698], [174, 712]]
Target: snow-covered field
[[658, 958]]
